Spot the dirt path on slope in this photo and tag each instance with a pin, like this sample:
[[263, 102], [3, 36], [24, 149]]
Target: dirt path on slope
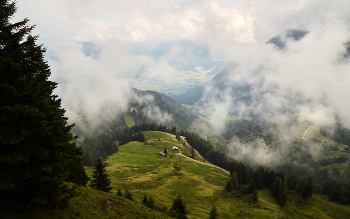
[[308, 130], [183, 138], [208, 164]]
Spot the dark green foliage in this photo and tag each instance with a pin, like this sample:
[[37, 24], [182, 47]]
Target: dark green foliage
[[178, 136], [192, 152], [234, 180], [150, 202], [37, 149], [282, 196], [119, 192], [255, 194], [179, 207], [128, 194], [145, 199], [279, 189], [259, 178], [229, 186], [213, 213], [277, 184], [305, 186], [165, 151], [100, 179], [78, 175]]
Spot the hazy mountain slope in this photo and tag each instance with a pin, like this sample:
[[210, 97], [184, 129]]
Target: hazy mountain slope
[[292, 34], [221, 85], [144, 107]]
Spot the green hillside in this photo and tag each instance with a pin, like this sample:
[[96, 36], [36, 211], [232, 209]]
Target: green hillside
[[89, 204], [140, 169]]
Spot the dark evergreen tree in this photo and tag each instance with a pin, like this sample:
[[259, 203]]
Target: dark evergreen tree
[[192, 152], [255, 194], [78, 175], [276, 187], [119, 192], [213, 213], [128, 194], [282, 196], [37, 148], [145, 199], [165, 151], [234, 180], [100, 179], [305, 186], [229, 186], [179, 207], [150, 202]]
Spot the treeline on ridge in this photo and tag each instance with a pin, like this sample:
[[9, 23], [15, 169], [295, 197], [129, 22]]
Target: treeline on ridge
[[106, 144]]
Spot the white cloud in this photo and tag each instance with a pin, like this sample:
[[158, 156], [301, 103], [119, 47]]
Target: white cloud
[[235, 30]]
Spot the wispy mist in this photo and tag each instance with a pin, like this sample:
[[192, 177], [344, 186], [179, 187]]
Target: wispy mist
[[307, 80]]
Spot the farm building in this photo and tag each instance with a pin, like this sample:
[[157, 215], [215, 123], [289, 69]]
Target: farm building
[[174, 148], [162, 154]]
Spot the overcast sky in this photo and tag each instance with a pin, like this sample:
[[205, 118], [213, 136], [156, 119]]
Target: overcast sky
[[233, 30]]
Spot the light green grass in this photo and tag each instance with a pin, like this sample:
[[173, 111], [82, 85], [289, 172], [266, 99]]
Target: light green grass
[[130, 122]]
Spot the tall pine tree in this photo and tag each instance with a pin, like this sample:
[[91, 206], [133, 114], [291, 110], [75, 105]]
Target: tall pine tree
[[100, 179], [37, 148]]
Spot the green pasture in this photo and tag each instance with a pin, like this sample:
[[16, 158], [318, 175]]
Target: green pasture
[[130, 122], [138, 167]]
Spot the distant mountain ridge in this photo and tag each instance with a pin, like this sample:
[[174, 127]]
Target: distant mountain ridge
[[291, 34], [144, 107]]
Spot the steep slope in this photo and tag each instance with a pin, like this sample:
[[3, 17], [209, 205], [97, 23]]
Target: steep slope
[[144, 107]]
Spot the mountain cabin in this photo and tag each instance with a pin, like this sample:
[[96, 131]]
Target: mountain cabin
[[162, 154]]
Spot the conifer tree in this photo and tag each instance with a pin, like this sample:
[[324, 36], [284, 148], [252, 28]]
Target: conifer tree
[[100, 179], [255, 194], [192, 152], [213, 213], [37, 148], [179, 206]]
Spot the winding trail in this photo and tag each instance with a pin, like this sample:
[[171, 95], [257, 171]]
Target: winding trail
[[208, 164], [183, 138], [308, 130]]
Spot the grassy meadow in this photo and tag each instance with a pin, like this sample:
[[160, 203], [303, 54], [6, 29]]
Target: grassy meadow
[[139, 168]]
